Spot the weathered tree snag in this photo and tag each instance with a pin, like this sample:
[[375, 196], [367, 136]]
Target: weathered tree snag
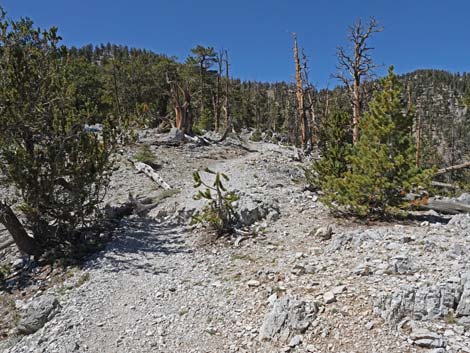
[[228, 120], [445, 185], [357, 65], [448, 207], [452, 168], [312, 124], [299, 92], [216, 97], [23, 241], [182, 105], [148, 171]]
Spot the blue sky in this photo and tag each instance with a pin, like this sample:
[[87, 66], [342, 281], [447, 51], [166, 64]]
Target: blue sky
[[418, 33]]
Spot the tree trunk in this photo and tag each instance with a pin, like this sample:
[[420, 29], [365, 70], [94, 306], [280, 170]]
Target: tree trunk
[[23, 241], [216, 98], [228, 123], [356, 109], [183, 114], [303, 123]]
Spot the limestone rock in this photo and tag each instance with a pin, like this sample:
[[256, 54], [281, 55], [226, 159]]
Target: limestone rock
[[287, 317], [422, 302], [329, 297], [37, 313], [175, 135], [250, 209]]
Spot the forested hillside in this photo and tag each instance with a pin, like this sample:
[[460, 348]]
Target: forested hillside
[[140, 81]]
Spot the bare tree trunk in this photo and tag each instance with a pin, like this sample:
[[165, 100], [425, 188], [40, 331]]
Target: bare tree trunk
[[228, 122], [327, 103], [356, 108], [183, 114], [452, 168], [303, 123], [23, 241], [216, 98]]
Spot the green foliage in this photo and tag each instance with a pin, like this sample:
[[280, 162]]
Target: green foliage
[[219, 212], [59, 169], [381, 165], [256, 136], [205, 122], [145, 155], [335, 145]]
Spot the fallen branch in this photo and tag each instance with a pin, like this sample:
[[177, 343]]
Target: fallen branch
[[448, 207], [445, 185], [150, 172], [7, 244], [453, 167], [198, 139]]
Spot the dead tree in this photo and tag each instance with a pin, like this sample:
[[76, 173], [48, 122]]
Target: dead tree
[[312, 120], [452, 168], [357, 65], [181, 97], [299, 92], [228, 119], [216, 97]]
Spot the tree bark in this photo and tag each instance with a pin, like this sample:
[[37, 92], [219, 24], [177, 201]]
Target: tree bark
[[356, 107], [299, 91], [23, 241], [228, 122], [216, 98]]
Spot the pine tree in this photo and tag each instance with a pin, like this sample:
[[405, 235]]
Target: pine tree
[[335, 145], [59, 169], [382, 163]]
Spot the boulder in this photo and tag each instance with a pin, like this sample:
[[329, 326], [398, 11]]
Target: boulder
[[175, 135], [463, 308], [323, 233], [421, 302], [37, 312], [424, 338], [251, 209], [460, 221], [401, 265], [287, 318]]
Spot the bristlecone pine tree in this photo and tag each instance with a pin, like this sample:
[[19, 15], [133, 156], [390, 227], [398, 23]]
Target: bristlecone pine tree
[[57, 167], [335, 144], [382, 167]]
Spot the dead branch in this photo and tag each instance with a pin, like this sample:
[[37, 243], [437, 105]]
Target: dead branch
[[447, 207], [6, 244], [150, 172], [452, 168]]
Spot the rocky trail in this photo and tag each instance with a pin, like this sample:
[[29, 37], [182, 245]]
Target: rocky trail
[[305, 282]]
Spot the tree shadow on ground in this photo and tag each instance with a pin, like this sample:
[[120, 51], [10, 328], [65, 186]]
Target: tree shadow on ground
[[136, 243]]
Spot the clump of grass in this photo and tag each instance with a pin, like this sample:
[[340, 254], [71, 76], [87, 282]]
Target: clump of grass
[[145, 155], [83, 279], [183, 311], [450, 319], [5, 271]]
